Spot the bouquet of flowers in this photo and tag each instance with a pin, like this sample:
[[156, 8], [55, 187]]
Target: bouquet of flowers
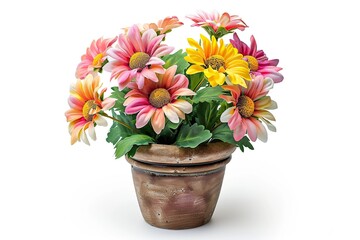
[[213, 91]]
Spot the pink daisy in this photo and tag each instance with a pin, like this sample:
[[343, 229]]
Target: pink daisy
[[94, 58], [250, 109], [137, 56], [85, 104], [215, 21], [165, 25], [159, 99], [258, 61], [162, 26]]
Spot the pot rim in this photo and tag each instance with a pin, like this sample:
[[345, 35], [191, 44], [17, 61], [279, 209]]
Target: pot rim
[[172, 155], [195, 170]]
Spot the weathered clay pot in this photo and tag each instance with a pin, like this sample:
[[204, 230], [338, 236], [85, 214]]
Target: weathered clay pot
[[178, 188]]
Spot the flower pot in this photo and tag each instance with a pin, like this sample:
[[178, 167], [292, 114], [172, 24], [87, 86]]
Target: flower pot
[[178, 188]]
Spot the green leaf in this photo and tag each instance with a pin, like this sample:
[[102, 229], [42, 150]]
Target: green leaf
[[208, 94], [207, 114], [120, 98], [224, 134], [125, 145], [176, 59], [192, 136], [196, 80], [118, 131]]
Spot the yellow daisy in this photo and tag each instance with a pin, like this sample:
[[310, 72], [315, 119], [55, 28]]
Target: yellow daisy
[[217, 61]]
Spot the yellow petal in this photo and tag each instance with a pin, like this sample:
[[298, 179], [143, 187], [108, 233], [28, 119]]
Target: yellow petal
[[194, 69]]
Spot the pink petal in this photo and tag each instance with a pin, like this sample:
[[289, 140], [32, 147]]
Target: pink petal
[[155, 61], [235, 120], [135, 105], [239, 132], [158, 121], [108, 103], [144, 116], [182, 92], [134, 35], [251, 129], [149, 74]]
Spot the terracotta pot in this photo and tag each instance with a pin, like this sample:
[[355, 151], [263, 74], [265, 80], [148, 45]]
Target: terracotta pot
[[178, 188]]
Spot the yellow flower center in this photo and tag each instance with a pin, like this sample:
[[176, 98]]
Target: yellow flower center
[[246, 106], [159, 97], [253, 63], [139, 60], [97, 60], [215, 62], [88, 110]]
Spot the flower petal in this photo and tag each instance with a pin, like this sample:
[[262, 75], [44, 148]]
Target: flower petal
[[144, 116], [227, 114], [183, 105], [158, 120], [170, 113]]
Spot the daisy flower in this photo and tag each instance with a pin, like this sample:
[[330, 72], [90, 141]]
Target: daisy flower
[[214, 23], [163, 26], [159, 99], [85, 104], [250, 109], [137, 56], [257, 59], [95, 56], [217, 61]]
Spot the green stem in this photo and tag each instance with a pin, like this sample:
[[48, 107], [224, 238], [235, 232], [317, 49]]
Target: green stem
[[117, 120], [216, 126], [199, 84]]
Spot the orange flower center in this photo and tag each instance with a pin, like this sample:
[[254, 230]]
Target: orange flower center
[[89, 110], [159, 97], [253, 63], [246, 106], [97, 60], [215, 62], [139, 60]]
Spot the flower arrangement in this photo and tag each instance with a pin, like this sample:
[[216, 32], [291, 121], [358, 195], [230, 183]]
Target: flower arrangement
[[213, 91]]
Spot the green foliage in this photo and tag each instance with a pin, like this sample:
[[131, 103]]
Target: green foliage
[[176, 59], [192, 136], [119, 131], [125, 145], [223, 133], [207, 114], [196, 81], [221, 31], [208, 94], [120, 98]]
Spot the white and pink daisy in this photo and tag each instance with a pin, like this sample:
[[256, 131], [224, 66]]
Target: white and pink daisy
[[85, 104], [250, 109], [137, 56], [95, 56], [155, 100], [258, 61]]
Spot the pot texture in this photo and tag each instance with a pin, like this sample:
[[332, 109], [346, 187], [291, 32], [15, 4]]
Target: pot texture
[[178, 188]]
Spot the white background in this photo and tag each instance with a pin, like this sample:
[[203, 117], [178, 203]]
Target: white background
[[302, 184]]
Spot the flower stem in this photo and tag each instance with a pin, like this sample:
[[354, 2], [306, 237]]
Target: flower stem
[[117, 120], [199, 85], [216, 126]]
